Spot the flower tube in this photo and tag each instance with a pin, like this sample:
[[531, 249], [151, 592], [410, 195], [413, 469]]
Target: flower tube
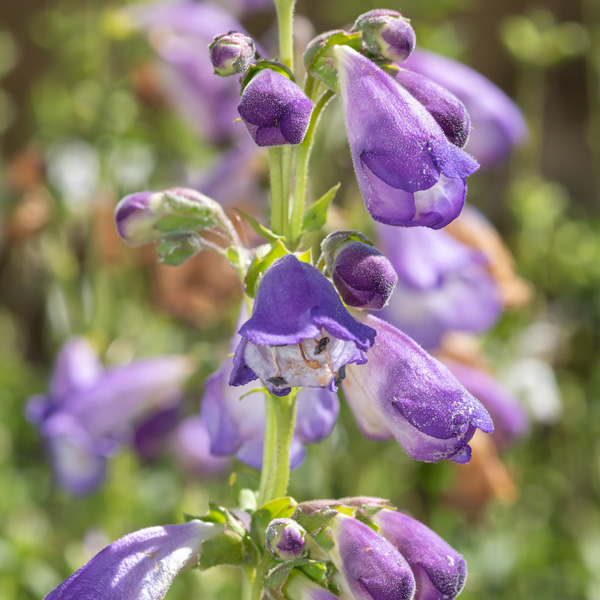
[[408, 172], [404, 392]]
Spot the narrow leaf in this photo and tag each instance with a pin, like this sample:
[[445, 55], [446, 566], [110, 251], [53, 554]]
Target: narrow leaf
[[316, 215]]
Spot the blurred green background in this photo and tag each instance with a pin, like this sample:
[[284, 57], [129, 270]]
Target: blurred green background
[[75, 82]]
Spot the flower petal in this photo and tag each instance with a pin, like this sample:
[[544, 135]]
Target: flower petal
[[139, 566]]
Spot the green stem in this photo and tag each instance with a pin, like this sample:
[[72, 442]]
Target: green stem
[[279, 430], [302, 159], [285, 20], [277, 207]]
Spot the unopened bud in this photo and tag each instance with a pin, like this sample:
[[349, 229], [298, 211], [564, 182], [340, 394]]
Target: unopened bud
[[146, 217], [386, 34], [285, 539], [231, 53], [363, 276], [274, 109]]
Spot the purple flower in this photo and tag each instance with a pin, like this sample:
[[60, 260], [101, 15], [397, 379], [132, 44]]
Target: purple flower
[[139, 566], [285, 539], [408, 172], [404, 392], [299, 334], [274, 109], [180, 33], [443, 285], [386, 34], [439, 570], [371, 567], [231, 53], [447, 110], [498, 124], [509, 416], [88, 411], [363, 276], [235, 418]]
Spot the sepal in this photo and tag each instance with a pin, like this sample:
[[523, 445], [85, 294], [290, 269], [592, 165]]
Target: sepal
[[318, 57]]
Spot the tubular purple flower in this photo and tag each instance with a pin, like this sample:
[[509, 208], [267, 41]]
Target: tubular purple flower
[[498, 125], [363, 276], [386, 34], [443, 285], [440, 572], [139, 566], [404, 392], [299, 334], [231, 53], [372, 568], [408, 172], [89, 411], [510, 418], [285, 539], [274, 109], [447, 110], [235, 418]]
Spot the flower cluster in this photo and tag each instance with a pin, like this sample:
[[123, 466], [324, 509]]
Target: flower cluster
[[305, 332]]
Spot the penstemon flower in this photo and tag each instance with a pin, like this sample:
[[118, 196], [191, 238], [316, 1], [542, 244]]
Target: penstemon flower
[[408, 172], [139, 566], [405, 393], [89, 411], [297, 343], [299, 334]]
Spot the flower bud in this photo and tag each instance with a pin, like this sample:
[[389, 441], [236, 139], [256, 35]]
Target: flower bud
[[285, 539], [386, 34], [146, 217], [440, 571], [274, 109], [447, 110], [363, 276], [231, 53], [371, 567]]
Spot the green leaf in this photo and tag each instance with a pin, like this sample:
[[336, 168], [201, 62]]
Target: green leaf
[[175, 248], [260, 264], [316, 216], [324, 540], [225, 549], [259, 228], [314, 520]]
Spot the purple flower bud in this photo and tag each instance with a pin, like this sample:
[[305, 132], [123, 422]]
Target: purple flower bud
[[299, 334], [231, 53], [140, 565], [285, 539], [439, 570], [404, 392], [362, 275], [275, 109], [408, 172], [498, 124], [146, 217], [447, 110], [372, 568], [386, 34]]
